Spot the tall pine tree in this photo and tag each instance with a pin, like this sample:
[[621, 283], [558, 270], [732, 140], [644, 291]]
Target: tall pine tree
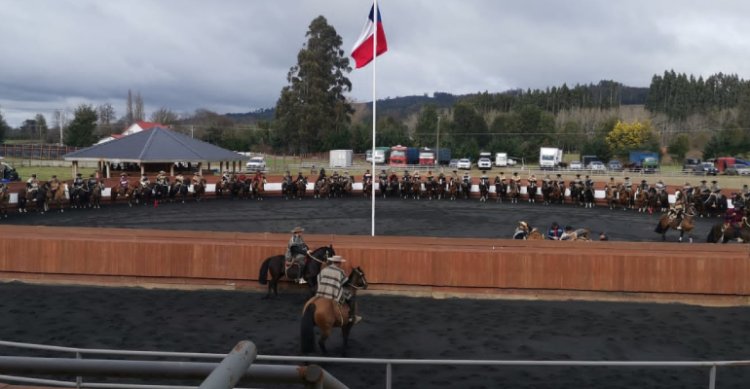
[[312, 113]]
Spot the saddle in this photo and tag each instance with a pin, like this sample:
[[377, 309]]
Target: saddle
[[297, 261]]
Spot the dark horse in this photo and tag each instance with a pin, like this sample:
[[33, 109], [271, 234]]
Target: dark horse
[[277, 266], [327, 314]]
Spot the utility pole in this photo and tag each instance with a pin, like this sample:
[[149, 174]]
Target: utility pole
[[437, 148]]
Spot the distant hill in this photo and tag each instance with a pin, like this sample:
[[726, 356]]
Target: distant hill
[[403, 107]]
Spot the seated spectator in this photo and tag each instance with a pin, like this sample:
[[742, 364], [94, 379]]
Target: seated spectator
[[568, 234], [603, 236], [554, 232]]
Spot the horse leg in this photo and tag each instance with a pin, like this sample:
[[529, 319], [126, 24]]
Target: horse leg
[[345, 330]]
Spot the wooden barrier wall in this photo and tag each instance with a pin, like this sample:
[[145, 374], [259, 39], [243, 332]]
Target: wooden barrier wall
[[200, 258]]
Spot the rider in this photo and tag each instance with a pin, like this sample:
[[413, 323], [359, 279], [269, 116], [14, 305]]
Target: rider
[[611, 184], [301, 178], [467, 180], [321, 175], [659, 186], [554, 232], [522, 231], [258, 176], [703, 189], [686, 189], [33, 184], [335, 176], [589, 183], [578, 182], [383, 176], [296, 250], [123, 180], [644, 186], [346, 176], [416, 176], [517, 179], [367, 177], [144, 181], [54, 184], [715, 188], [331, 280], [484, 180], [77, 182], [676, 211], [162, 180], [628, 185], [179, 179], [532, 180], [745, 191], [225, 178], [196, 179]]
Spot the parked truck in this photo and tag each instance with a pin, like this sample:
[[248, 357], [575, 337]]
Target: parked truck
[[426, 157], [648, 161], [443, 156], [340, 158], [550, 157], [501, 159], [381, 155], [398, 156], [412, 155]]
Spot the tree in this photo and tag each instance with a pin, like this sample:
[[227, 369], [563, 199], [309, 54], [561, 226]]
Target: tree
[[138, 113], [164, 116], [4, 128], [106, 113], [312, 112], [41, 125], [626, 137], [426, 130], [679, 147], [129, 109], [80, 132]]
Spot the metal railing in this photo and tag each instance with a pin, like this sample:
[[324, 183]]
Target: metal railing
[[324, 379]]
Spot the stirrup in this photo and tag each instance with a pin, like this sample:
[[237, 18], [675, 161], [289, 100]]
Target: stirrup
[[301, 281], [356, 319]]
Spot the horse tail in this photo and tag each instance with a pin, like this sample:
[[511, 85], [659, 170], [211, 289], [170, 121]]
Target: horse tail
[[262, 276], [660, 227], [307, 330]]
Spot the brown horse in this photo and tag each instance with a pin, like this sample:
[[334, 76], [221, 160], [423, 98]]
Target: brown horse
[[611, 194], [302, 188], [95, 201], [641, 200], [687, 225], [327, 314], [724, 232], [199, 189], [322, 189], [624, 197], [124, 191], [259, 188], [4, 201], [514, 191], [55, 195], [453, 188]]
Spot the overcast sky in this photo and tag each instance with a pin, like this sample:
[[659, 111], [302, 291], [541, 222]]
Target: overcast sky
[[233, 56]]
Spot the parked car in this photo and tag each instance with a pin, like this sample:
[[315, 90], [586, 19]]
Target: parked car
[[256, 163], [453, 163], [737, 169], [464, 163], [576, 165], [8, 173], [484, 163], [614, 165], [705, 169], [690, 164], [596, 166]]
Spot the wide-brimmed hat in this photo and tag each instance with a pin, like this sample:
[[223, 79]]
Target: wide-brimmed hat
[[122, 174], [162, 172], [337, 259], [297, 230], [523, 224]]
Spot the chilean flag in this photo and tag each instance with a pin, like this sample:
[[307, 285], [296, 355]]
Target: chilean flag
[[362, 51]]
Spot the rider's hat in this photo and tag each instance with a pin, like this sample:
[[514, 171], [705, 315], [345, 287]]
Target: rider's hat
[[337, 259], [587, 176], [78, 174], [578, 175], [611, 178], [703, 181], [122, 174], [54, 176], [643, 181], [627, 178], [297, 230], [524, 224], [713, 182], [163, 172], [33, 174]]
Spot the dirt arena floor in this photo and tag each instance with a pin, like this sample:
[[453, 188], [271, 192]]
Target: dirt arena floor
[[460, 218], [394, 326]]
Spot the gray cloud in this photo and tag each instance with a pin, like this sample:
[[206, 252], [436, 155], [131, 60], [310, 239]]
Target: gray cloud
[[233, 56]]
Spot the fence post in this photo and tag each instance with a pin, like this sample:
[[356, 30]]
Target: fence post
[[79, 379], [232, 367], [712, 378], [388, 375]]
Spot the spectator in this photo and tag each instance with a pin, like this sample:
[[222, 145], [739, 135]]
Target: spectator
[[555, 231]]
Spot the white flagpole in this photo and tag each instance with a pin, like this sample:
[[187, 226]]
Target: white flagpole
[[374, 103]]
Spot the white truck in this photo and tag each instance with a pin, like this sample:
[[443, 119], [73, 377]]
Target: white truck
[[340, 158], [501, 159], [550, 157]]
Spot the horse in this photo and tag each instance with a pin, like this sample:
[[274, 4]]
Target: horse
[[723, 233], [327, 314], [611, 196], [687, 225], [514, 191], [484, 191], [715, 205], [322, 189], [288, 190], [624, 197], [259, 188], [4, 201], [301, 188], [465, 189], [641, 200], [531, 188], [95, 201], [178, 191], [276, 265], [588, 197], [367, 188], [452, 188], [54, 196], [199, 189]]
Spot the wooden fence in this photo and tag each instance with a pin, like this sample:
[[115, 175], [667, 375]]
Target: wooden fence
[[36, 151], [136, 257]]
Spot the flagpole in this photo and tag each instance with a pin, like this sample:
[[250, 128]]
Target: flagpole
[[375, 16]]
